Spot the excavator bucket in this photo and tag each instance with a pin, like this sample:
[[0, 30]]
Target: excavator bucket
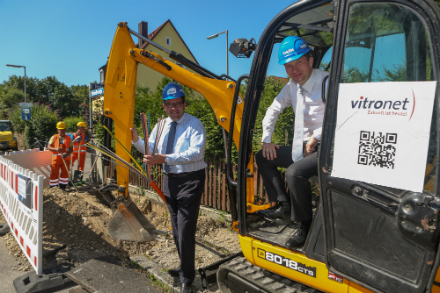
[[128, 223]]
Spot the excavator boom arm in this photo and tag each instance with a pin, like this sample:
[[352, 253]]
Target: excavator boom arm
[[120, 87]]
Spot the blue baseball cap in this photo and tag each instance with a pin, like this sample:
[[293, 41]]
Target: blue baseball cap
[[292, 48], [172, 91]]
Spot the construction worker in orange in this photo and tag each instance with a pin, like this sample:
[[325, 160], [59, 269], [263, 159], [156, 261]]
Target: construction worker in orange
[[61, 147], [80, 139]]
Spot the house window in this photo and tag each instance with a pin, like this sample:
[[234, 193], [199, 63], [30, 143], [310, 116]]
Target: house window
[[168, 41]]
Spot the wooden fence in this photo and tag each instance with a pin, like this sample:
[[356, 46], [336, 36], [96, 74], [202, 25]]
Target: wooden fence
[[216, 193]]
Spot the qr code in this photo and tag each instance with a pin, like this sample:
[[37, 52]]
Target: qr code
[[377, 150]]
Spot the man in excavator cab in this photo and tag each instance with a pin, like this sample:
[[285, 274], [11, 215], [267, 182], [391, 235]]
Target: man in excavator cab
[[180, 142], [303, 92]]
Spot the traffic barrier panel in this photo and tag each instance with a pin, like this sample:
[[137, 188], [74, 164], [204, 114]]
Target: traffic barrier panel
[[21, 202], [34, 160]]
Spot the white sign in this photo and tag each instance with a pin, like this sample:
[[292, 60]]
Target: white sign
[[97, 92], [382, 133], [25, 105], [22, 187]]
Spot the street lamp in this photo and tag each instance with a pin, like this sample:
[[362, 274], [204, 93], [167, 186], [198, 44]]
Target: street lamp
[[19, 66], [215, 36]]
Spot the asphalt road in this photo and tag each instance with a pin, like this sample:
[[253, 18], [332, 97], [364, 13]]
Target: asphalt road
[[8, 266]]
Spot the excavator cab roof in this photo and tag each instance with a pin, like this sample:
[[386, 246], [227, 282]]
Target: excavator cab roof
[[315, 26]]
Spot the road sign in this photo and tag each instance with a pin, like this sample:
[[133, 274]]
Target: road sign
[[94, 86], [97, 92], [25, 114], [25, 105]]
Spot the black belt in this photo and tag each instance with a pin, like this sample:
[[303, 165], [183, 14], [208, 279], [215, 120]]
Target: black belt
[[174, 175]]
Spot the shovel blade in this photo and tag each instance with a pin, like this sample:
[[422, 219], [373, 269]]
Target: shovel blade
[[128, 223]]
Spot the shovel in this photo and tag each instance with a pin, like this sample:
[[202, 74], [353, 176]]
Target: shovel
[[65, 165], [128, 222]]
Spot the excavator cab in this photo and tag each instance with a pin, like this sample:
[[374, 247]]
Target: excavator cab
[[375, 226]]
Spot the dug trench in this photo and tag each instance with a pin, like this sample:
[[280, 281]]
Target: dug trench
[[75, 230]]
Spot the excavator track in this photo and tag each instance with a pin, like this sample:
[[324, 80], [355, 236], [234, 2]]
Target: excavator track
[[239, 275]]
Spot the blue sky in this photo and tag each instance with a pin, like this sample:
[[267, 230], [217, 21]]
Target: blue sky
[[71, 39]]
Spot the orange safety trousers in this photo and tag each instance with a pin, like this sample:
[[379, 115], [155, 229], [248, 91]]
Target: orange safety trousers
[[82, 151], [82, 160], [55, 167], [57, 163]]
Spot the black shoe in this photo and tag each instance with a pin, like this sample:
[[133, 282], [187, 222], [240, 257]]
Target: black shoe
[[278, 213], [186, 288], [174, 272], [277, 205], [298, 238]]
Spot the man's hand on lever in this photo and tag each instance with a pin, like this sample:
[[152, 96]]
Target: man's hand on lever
[[310, 145], [270, 150]]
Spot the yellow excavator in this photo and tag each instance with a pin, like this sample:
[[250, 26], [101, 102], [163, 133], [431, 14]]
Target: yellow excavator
[[365, 237]]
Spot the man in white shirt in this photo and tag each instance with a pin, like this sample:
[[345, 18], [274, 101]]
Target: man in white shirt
[[181, 147], [304, 93]]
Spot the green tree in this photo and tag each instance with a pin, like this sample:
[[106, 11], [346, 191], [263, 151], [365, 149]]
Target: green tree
[[81, 99], [62, 100], [8, 100]]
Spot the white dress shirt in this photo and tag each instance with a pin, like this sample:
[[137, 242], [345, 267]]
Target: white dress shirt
[[313, 106], [189, 144]]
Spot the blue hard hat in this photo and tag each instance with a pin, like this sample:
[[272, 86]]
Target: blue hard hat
[[172, 91], [292, 48]]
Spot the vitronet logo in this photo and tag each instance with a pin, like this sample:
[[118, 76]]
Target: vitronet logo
[[386, 107]]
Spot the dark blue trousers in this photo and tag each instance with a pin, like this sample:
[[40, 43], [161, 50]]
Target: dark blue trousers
[[183, 196]]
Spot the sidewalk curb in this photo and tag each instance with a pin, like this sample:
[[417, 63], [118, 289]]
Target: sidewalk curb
[[158, 272]]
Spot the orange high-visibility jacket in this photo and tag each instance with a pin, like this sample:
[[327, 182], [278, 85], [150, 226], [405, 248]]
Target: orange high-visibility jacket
[[56, 156], [81, 145]]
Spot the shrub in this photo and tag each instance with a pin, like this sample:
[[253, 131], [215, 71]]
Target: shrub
[[71, 123]]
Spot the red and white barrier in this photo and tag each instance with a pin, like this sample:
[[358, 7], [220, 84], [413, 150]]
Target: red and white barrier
[[21, 202], [34, 160]]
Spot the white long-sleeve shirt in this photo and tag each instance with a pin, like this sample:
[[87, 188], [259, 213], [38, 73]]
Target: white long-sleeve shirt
[[189, 144], [313, 106]]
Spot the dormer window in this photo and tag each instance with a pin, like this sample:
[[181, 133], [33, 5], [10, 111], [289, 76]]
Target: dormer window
[[168, 41]]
